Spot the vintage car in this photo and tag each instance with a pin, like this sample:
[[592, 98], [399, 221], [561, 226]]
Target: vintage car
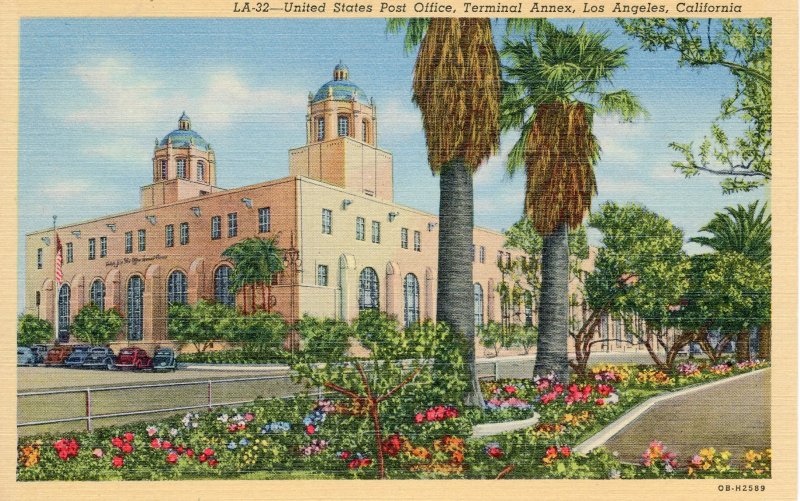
[[78, 356], [40, 350], [100, 357], [25, 356], [133, 358], [164, 359], [57, 355]]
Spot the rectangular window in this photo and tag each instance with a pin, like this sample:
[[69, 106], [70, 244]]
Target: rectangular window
[[103, 246], [376, 232], [142, 242], [169, 235], [184, 233], [322, 275], [182, 168], [344, 126], [320, 129], [201, 171], [359, 228], [128, 242], [92, 243], [417, 241], [216, 227], [482, 254], [263, 220], [69, 252], [326, 221], [163, 169], [233, 225], [404, 238], [39, 258]]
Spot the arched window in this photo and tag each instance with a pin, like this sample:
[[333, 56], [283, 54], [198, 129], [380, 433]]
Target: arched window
[[63, 313], [368, 297], [97, 293], [411, 294], [344, 125], [222, 286], [182, 168], [478, 301], [364, 130], [320, 128], [134, 308], [201, 171], [176, 288], [163, 169]]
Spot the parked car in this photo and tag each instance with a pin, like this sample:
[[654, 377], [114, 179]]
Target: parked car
[[40, 350], [133, 358], [57, 355], [100, 357], [164, 359], [78, 356], [25, 356]]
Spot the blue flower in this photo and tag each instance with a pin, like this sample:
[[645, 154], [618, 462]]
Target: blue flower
[[244, 442], [232, 445], [306, 420]]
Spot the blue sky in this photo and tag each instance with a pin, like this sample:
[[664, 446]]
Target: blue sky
[[95, 94]]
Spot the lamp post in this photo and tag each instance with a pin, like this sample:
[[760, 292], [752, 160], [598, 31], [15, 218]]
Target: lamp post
[[292, 263]]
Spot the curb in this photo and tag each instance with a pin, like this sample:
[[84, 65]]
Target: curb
[[488, 429], [623, 421]]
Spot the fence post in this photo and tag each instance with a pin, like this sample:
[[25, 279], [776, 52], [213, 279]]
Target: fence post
[[496, 370], [89, 426], [209, 395]]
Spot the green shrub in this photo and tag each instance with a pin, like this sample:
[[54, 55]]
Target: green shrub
[[33, 330], [324, 339], [96, 326]]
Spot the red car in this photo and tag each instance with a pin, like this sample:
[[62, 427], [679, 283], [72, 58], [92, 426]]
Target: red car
[[133, 358], [57, 355]]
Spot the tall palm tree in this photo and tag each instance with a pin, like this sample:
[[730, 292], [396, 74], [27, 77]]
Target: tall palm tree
[[256, 261], [456, 86], [746, 230], [557, 81]]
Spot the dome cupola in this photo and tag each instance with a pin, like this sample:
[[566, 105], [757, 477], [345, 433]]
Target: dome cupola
[[340, 88]]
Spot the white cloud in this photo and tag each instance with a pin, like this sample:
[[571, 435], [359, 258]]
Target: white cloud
[[399, 118]]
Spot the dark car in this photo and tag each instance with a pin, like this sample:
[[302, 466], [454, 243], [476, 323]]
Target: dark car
[[100, 357], [25, 356], [78, 356], [40, 350], [164, 359], [57, 355], [133, 358]]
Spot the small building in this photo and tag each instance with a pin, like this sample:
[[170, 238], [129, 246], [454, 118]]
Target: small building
[[353, 247]]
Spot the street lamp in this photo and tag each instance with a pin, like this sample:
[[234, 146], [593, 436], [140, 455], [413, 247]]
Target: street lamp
[[292, 263]]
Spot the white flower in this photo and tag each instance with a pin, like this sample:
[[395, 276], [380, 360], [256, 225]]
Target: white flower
[[613, 398], [173, 431], [223, 418], [194, 425]]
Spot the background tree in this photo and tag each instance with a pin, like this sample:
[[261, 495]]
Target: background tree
[[456, 87], [200, 324], [96, 326], [261, 334], [324, 339], [744, 48], [256, 261], [557, 80], [33, 330], [641, 272]]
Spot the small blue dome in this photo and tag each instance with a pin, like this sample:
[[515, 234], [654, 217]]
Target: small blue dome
[[341, 67], [343, 90], [184, 136]]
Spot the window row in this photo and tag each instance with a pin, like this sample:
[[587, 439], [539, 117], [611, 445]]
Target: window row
[[181, 165], [369, 294], [342, 127], [327, 229]]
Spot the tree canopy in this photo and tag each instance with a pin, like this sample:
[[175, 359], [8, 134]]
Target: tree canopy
[[96, 326]]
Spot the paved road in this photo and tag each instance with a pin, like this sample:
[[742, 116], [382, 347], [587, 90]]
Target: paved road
[[732, 416]]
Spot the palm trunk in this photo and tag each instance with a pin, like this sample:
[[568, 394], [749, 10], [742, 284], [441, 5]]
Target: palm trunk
[[743, 346], [764, 341], [454, 300], [264, 296], [551, 346]]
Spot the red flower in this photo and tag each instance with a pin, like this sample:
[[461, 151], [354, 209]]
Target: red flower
[[232, 427], [116, 442], [117, 462], [248, 417], [242, 426], [172, 457], [604, 389], [310, 429], [345, 454], [202, 457], [180, 449], [565, 451], [128, 436], [587, 390], [127, 448], [208, 452], [510, 389], [212, 462], [548, 397], [599, 401], [366, 462], [353, 464], [558, 388], [166, 445], [552, 451], [419, 418], [63, 455], [430, 415], [155, 443], [495, 452], [190, 453]]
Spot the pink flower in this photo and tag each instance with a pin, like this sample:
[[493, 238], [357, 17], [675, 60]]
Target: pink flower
[[419, 418], [172, 457], [127, 448], [565, 451], [128, 436], [155, 443], [98, 453], [697, 460], [116, 442], [509, 389], [248, 417], [310, 429], [166, 445], [117, 462]]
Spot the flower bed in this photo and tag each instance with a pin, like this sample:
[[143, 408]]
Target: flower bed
[[335, 439]]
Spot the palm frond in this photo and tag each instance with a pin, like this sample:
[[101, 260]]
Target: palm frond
[[623, 103], [415, 29]]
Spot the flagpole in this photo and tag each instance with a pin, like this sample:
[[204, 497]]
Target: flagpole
[[56, 285]]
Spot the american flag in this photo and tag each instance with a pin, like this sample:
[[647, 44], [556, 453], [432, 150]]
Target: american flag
[[59, 274]]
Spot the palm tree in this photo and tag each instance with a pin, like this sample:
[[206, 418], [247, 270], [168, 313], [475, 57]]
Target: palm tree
[[255, 261], [456, 86], [746, 230], [556, 82]]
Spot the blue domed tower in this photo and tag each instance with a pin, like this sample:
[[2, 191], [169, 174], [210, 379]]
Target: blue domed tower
[[342, 139], [184, 166]]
